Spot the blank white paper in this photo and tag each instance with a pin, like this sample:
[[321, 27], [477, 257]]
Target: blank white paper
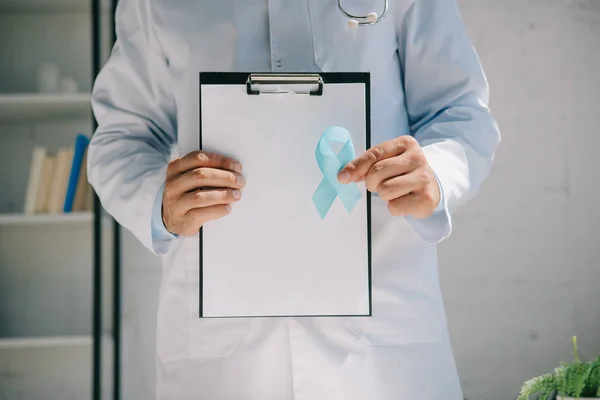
[[274, 255]]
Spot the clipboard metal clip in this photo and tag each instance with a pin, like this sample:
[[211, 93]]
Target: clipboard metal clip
[[271, 84]]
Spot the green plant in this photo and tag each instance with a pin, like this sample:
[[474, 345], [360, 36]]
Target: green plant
[[575, 379]]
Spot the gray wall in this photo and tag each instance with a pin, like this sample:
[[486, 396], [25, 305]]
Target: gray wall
[[520, 272]]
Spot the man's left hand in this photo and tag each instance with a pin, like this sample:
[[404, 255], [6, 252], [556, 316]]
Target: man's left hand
[[398, 170]]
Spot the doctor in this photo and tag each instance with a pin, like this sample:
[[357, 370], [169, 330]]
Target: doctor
[[434, 140]]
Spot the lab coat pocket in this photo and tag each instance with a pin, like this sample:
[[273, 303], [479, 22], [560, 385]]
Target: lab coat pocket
[[405, 319], [215, 338], [208, 337], [407, 306], [339, 48]]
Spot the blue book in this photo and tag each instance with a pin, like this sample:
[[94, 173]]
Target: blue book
[[81, 143]]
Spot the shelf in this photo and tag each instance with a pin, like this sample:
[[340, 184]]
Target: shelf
[[53, 368], [22, 107], [49, 5], [47, 342], [74, 218], [46, 219]]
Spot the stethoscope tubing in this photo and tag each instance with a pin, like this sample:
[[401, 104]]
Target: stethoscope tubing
[[362, 19]]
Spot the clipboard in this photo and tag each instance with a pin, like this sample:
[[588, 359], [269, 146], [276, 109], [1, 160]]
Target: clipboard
[[292, 246]]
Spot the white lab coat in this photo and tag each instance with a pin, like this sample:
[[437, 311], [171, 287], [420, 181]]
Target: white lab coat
[[426, 81]]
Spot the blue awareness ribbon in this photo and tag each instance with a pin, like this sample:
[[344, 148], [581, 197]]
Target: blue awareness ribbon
[[330, 165]]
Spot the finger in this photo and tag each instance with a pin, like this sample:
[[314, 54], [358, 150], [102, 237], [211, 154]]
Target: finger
[[206, 177], [403, 164], [361, 165], [402, 185], [198, 216], [209, 198], [197, 159], [405, 205]]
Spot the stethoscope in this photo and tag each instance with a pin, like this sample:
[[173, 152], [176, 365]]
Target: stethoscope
[[363, 20]]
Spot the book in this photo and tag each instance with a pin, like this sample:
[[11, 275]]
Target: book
[[41, 203], [81, 143], [35, 175], [60, 179], [82, 186]]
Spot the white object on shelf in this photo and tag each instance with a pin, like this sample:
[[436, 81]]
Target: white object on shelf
[[68, 85], [36, 219], [44, 106], [48, 78]]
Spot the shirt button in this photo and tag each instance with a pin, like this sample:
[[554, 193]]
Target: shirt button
[[279, 64]]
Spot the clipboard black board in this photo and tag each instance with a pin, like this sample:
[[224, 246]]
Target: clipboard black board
[[326, 78]]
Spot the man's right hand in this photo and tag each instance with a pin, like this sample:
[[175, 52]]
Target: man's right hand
[[199, 187]]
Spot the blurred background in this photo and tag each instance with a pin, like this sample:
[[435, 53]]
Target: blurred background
[[520, 274]]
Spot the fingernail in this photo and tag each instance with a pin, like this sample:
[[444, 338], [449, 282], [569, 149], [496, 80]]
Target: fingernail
[[344, 177], [241, 181], [236, 166], [227, 208], [237, 194]]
